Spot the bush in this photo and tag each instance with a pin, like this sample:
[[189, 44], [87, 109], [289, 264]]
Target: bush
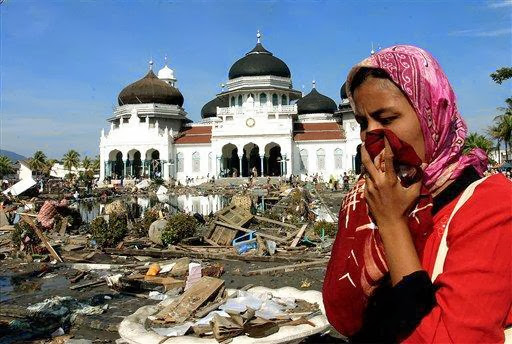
[[141, 226], [329, 228], [179, 227], [111, 233], [22, 230]]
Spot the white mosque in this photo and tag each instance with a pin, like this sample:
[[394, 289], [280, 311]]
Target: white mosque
[[258, 124]]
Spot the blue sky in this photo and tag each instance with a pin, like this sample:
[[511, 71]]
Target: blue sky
[[63, 63]]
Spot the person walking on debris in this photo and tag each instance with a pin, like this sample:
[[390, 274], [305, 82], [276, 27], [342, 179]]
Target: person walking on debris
[[423, 251], [346, 180]]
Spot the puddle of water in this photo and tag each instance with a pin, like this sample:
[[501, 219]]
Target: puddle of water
[[10, 287], [203, 205]]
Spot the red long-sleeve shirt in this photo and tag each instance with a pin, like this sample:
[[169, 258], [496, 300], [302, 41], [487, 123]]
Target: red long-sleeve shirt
[[474, 295], [474, 299]]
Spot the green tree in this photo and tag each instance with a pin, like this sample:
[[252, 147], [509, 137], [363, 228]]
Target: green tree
[[503, 124], [5, 166], [475, 140], [494, 133], [71, 159], [38, 163], [96, 163], [87, 163], [502, 74]]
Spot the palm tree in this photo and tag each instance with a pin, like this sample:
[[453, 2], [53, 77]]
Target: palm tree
[[96, 163], [475, 140], [38, 162], [494, 132], [504, 126], [49, 165], [71, 159], [5, 166], [86, 163]]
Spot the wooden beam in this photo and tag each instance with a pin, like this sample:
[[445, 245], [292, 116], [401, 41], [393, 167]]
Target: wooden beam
[[287, 268], [261, 218], [299, 235], [41, 236]]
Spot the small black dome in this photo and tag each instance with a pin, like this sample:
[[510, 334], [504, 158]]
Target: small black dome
[[259, 61], [210, 109], [150, 89], [343, 91], [315, 102]]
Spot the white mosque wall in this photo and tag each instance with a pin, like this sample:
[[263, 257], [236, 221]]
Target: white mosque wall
[[194, 161]]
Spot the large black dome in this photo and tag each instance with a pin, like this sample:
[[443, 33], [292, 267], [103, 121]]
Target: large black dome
[[210, 109], [150, 89], [259, 61], [343, 91], [315, 102]]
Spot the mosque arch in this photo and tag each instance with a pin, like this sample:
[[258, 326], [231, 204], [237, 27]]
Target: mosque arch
[[230, 162], [239, 100], [196, 162], [179, 162], [263, 98], [134, 163], [338, 159], [284, 100], [153, 163], [251, 159], [275, 100], [304, 163], [273, 157], [320, 159]]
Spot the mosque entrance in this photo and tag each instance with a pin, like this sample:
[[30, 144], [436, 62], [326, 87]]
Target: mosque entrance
[[136, 165], [154, 164], [273, 159], [230, 162], [251, 162], [118, 166]]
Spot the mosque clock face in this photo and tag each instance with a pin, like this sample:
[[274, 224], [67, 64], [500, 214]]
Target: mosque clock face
[[250, 122]]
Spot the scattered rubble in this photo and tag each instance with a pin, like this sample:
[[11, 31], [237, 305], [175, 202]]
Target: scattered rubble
[[167, 271]]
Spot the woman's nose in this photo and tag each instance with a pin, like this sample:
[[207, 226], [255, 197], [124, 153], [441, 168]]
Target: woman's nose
[[372, 125]]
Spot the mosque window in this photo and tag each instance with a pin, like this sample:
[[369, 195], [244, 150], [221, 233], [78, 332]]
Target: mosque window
[[284, 100], [304, 160], [239, 100], [232, 101], [338, 158], [263, 99], [125, 120], [275, 100], [229, 118], [179, 162], [142, 119], [210, 159], [196, 162], [320, 159]]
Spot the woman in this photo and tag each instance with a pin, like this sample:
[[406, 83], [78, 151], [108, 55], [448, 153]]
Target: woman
[[420, 199]]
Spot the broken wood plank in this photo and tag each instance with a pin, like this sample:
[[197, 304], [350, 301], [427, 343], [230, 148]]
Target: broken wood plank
[[168, 254], [299, 235], [88, 284], [193, 298], [211, 242], [41, 236], [286, 268], [261, 218], [268, 236]]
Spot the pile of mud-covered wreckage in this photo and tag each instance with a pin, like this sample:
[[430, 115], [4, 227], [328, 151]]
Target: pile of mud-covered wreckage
[[251, 271]]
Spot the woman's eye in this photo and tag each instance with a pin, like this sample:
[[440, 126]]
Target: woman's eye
[[387, 120]]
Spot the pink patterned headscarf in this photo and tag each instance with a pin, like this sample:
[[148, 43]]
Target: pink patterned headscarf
[[423, 81]]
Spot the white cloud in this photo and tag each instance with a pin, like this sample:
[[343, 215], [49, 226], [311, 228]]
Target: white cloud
[[499, 4], [482, 33]]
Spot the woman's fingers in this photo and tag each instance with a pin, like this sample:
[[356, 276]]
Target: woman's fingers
[[368, 163], [388, 160]]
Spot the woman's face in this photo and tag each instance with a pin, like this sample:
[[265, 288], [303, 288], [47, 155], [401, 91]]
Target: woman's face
[[380, 104]]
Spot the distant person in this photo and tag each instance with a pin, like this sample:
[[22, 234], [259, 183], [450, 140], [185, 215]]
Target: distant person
[[346, 181]]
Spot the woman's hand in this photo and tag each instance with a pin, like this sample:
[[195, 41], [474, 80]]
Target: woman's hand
[[388, 200]]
